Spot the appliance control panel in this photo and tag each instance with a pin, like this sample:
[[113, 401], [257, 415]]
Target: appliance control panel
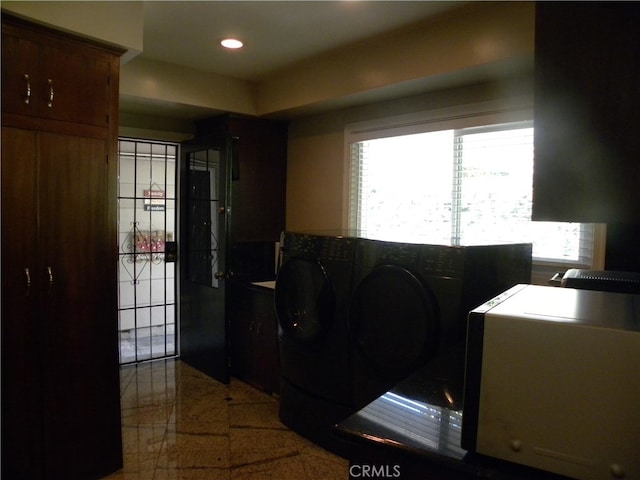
[[374, 252], [339, 249], [399, 254], [440, 260], [304, 245], [317, 247]]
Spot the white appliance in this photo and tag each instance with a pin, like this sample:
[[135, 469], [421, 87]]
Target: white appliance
[[552, 381]]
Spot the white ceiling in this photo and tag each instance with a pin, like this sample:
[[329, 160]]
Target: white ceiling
[[276, 33]]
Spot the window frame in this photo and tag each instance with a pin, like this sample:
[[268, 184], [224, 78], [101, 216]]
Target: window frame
[[477, 115]]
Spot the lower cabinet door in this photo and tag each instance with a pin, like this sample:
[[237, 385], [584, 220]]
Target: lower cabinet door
[[81, 373], [22, 389], [60, 374], [254, 351]]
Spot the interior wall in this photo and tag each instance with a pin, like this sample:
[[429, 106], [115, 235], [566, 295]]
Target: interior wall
[[475, 35], [115, 22], [315, 173], [168, 83], [317, 164]]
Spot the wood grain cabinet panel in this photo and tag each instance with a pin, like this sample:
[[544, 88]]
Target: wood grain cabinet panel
[[254, 331], [60, 374], [257, 156], [46, 76], [259, 170], [587, 99]]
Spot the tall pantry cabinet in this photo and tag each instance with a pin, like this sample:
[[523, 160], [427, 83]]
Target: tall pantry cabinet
[[60, 377]]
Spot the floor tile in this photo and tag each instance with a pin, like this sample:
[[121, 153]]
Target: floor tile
[[261, 415], [253, 446], [278, 469], [180, 424], [183, 451]]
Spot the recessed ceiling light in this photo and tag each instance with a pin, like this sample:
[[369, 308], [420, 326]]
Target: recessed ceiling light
[[232, 43]]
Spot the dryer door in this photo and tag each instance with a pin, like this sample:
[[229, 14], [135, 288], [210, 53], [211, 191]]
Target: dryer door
[[304, 301], [393, 321]]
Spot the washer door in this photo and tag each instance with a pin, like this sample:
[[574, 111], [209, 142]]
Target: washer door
[[393, 320], [304, 301]]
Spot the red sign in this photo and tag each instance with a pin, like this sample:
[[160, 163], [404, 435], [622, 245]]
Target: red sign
[[154, 193]]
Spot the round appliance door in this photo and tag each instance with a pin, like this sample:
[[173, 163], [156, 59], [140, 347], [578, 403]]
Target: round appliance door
[[304, 301], [393, 320]]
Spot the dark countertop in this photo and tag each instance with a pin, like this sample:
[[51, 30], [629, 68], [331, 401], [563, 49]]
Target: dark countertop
[[419, 423]]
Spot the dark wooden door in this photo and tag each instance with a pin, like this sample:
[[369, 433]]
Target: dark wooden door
[[204, 217], [259, 181], [254, 330], [19, 71], [21, 407], [74, 84], [79, 316], [58, 309]]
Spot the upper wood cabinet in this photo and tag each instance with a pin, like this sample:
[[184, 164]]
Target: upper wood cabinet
[[258, 174], [587, 112], [57, 78]]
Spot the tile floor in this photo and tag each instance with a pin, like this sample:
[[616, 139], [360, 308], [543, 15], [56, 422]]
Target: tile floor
[[146, 347], [179, 424]]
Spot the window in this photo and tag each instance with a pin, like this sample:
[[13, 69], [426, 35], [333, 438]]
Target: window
[[464, 186]]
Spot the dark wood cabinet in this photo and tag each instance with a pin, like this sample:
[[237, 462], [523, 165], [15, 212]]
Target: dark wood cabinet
[[254, 334], [587, 99], [258, 174], [255, 154], [47, 77], [60, 376]]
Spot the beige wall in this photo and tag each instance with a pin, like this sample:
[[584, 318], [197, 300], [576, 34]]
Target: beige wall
[[473, 36], [158, 80], [315, 173]]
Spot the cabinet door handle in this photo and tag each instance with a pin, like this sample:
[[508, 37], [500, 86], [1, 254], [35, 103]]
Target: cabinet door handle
[[28, 275], [27, 96], [50, 102], [50, 272]]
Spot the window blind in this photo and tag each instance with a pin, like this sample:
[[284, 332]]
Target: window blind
[[466, 186]]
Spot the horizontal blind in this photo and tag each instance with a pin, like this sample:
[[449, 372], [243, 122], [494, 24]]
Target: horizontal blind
[[495, 178], [356, 209], [400, 191], [495, 202]]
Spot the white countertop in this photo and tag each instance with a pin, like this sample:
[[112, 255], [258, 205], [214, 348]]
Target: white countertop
[[267, 284]]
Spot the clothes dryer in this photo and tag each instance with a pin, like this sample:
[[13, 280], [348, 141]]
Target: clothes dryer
[[312, 293], [410, 303]]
